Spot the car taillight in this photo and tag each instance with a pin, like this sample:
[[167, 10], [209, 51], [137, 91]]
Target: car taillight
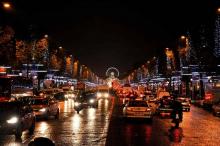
[[208, 96]]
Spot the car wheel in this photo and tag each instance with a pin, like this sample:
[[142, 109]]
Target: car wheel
[[57, 114], [18, 132], [31, 130]]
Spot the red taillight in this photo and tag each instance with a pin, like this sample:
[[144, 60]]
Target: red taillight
[[208, 96]]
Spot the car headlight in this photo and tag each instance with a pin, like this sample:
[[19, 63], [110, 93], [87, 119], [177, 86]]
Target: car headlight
[[76, 104], [12, 120], [106, 95], [99, 94], [148, 110], [42, 110], [91, 100]]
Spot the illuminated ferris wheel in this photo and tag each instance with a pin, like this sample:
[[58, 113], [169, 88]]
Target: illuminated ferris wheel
[[112, 72]]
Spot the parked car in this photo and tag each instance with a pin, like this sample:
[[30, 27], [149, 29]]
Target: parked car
[[16, 117], [185, 103], [216, 109], [138, 109], [45, 107]]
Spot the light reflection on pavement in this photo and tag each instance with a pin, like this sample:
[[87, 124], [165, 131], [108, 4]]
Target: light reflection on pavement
[[89, 127], [200, 128]]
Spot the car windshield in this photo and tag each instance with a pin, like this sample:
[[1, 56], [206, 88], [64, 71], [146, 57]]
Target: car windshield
[[39, 102], [138, 104]]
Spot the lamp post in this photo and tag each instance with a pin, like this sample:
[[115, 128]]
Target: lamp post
[[76, 69], [47, 55], [169, 57], [6, 5], [63, 57], [183, 50]]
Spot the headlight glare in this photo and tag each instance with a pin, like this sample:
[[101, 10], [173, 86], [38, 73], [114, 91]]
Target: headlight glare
[[76, 104], [12, 120], [106, 95], [99, 94], [91, 101], [42, 110]]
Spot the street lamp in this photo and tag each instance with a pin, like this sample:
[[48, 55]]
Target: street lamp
[[183, 37], [218, 10], [47, 56], [170, 64], [6, 5]]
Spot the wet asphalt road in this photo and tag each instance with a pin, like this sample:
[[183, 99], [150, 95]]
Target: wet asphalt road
[[93, 127], [89, 127], [199, 128]]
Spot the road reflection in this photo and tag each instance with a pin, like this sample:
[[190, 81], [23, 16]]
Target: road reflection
[[89, 127], [76, 122], [137, 132], [43, 128], [66, 106], [91, 114]]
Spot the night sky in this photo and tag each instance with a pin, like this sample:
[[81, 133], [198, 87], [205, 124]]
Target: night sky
[[112, 33]]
